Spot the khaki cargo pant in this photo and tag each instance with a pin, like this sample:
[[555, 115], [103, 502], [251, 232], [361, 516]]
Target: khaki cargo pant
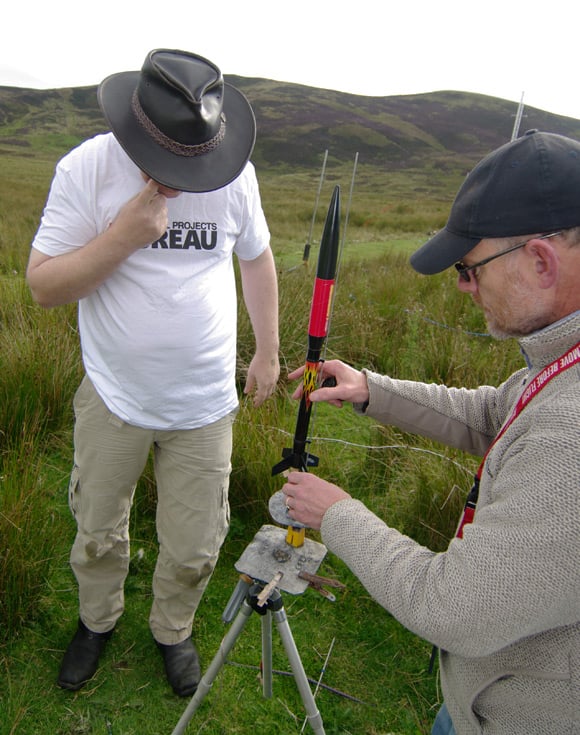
[[192, 470]]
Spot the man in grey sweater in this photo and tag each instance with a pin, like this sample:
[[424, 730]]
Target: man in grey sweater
[[502, 603]]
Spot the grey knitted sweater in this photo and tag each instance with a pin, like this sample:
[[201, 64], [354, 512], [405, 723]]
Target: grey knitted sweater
[[503, 603]]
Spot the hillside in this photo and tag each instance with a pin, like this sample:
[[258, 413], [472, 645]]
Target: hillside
[[297, 123]]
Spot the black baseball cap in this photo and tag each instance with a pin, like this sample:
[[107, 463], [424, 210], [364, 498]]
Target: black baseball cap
[[529, 185]]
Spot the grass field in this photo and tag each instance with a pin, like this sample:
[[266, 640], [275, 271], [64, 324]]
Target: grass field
[[385, 317]]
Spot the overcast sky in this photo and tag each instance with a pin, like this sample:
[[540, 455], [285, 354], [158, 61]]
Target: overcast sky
[[371, 47]]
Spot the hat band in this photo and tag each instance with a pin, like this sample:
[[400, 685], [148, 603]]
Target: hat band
[[181, 149]]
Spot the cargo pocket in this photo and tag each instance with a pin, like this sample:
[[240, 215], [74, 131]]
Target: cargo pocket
[[223, 515], [74, 487]]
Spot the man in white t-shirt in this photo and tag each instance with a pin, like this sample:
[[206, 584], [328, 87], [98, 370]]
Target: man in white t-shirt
[[139, 228]]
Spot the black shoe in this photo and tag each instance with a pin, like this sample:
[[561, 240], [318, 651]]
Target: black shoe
[[181, 666], [81, 658]]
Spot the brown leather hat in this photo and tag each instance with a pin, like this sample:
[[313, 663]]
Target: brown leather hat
[[179, 121]]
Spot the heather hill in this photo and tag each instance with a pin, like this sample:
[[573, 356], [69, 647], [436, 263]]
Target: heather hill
[[297, 123]]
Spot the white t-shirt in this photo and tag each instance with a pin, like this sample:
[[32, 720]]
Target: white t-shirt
[[158, 338]]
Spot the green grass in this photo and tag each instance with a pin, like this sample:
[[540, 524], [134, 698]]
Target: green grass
[[385, 317], [130, 692]]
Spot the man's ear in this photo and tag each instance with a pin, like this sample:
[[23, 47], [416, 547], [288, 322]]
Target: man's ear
[[546, 261]]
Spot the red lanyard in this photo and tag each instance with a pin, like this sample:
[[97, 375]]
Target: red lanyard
[[568, 360]]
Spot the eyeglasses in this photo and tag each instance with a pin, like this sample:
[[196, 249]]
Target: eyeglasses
[[466, 271]]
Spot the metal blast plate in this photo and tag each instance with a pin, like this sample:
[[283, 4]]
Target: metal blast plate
[[268, 553], [279, 512]]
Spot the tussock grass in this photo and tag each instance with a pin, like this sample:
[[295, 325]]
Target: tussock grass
[[385, 318], [39, 364], [27, 516]]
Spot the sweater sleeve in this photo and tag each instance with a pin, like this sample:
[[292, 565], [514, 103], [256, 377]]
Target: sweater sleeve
[[458, 417], [514, 574]]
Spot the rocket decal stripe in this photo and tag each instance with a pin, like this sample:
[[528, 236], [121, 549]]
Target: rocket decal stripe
[[321, 301]]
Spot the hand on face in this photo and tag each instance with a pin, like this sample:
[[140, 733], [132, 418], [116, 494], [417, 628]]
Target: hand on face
[[143, 219]]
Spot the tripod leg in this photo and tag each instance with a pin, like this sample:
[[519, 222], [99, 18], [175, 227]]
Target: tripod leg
[[213, 669], [312, 713], [267, 654]]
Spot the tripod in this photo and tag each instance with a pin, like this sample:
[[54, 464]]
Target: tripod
[[253, 594]]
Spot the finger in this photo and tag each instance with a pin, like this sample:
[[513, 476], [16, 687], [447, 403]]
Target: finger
[[150, 189], [259, 398], [286, 488], [292, 480], [331, 395], [250, 384], [150, 192], [297, 395], [298, 373], [262, 392]]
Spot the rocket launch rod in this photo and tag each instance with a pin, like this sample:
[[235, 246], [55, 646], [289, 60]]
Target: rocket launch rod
[[306, 254]]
